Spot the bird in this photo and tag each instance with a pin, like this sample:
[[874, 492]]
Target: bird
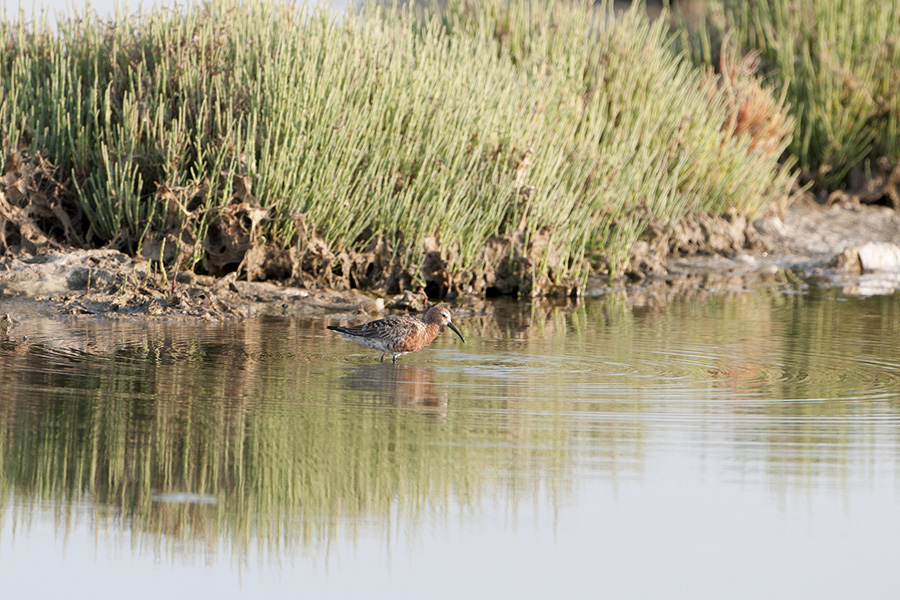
[[400, 335]]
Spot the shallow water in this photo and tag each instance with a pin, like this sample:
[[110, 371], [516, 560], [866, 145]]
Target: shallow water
[[738, 446]]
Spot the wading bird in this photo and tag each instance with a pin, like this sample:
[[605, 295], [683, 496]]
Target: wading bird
[[400, 335]]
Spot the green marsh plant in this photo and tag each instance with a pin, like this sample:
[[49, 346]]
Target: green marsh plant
[[838, 66], [563, 126]]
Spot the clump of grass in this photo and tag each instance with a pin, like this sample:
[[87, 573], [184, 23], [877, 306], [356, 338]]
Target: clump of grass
[[561, 126], [644, 136], [838, 66]]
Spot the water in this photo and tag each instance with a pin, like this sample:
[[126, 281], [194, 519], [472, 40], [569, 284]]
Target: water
[[735, 446]]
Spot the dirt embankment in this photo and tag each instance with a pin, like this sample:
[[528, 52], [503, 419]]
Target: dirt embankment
[[843, 240], [851, 245], [39, 217]]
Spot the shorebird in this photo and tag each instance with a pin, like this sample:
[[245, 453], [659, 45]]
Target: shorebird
[[400, 335]]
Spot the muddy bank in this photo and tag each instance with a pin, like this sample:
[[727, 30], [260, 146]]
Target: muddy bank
[[846, 244], [39, 216], [107, 282], [40, 229]]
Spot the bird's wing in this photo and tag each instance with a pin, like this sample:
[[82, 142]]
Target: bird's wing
[[397, 325]]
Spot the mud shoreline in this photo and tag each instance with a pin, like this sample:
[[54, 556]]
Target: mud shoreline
[[849, 245]]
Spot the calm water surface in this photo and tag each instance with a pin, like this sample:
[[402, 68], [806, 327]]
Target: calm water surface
[[741, 446]]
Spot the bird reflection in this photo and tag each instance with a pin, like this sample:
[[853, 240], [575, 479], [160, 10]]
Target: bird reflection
[[398, 384]]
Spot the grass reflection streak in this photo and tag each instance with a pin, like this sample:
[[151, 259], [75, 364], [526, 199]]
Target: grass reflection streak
[[294, 450], [284, 441]]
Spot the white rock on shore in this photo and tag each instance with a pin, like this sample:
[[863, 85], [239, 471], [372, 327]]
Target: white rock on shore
[[874, 257]]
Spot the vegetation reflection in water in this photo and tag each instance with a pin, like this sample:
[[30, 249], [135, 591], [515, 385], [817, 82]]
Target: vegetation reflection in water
[[292, 446], [271, 434]]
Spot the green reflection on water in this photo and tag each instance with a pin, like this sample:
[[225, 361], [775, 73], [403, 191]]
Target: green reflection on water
[[292, 446], [286, 437]]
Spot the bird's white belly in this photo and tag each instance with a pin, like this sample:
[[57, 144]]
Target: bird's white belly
[[382, 346]]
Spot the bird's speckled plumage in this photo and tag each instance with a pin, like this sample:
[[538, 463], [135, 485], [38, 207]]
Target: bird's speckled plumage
[[400, 335]]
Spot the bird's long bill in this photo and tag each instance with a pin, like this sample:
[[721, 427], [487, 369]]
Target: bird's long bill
[[456, 331]]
